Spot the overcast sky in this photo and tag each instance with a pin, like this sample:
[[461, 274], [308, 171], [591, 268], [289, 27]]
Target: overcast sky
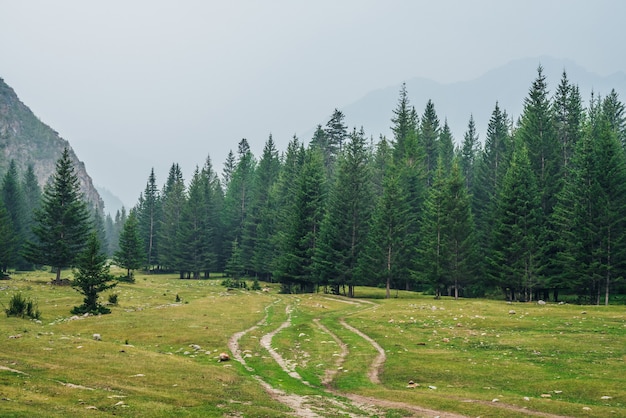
[[134, 85]]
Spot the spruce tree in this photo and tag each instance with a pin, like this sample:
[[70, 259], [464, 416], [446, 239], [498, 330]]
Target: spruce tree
[[568, 120], [173, 201], [336, 132], [409, 167], [192, 239], [381, 165], [574, 216], [429, 132], [13, 199], [537, 132], [405, 123], [148, 218], [459, 231], [343, 232], [130, 254], [615, 112], [99, 227], [298, 239], [470, 151], [237, 200], [432, 251], [284, 195], [263, 220], [213, 197], [32, 199], [590, 213], [8, 238], [234, 266], [611, 222], [62, 222], [446, 146], [516, 240], [229, 168], [92, 277], [109, 228], [116, 229], [490, 169], [383, 260]]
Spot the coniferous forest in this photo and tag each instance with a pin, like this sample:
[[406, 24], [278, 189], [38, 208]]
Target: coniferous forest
[[534, 210]]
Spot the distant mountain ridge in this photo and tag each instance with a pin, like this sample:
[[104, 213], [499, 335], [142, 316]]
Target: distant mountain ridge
[[508, 85], [27, 140], [112, 203]]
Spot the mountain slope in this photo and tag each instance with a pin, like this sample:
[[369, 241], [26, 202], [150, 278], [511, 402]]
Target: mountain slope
[[27, 140], [508, 85]]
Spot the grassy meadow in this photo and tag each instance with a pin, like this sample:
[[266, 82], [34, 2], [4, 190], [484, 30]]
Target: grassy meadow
[[159, 358]]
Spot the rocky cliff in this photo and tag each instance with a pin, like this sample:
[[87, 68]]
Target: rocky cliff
[[27, 140]]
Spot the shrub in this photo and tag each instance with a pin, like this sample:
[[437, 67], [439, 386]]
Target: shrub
[[22, 307], [113, 298], [126, 279], [256, 285]]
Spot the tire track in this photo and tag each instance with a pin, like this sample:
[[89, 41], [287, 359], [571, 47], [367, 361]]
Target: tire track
[[376, 367], [329, 374]]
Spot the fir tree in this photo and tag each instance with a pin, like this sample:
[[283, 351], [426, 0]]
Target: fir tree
[[62, 222]]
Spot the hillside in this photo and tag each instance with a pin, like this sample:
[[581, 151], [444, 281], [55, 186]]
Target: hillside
[[508, 85], [27, 140]]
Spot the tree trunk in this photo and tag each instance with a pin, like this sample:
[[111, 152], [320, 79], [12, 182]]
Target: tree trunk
[[388, 288]]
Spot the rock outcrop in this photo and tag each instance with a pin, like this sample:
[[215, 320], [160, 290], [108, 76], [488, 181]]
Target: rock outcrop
[[28, 141]]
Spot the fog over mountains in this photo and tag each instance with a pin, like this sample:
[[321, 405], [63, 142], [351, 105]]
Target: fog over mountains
[[508, 85]]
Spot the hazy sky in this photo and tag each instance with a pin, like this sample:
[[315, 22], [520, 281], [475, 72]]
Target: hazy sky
[[134, 85]]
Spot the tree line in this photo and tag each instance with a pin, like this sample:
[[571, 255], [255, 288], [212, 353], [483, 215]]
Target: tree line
[[535, 210]]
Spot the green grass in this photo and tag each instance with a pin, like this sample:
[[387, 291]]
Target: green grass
[[471, 351]]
